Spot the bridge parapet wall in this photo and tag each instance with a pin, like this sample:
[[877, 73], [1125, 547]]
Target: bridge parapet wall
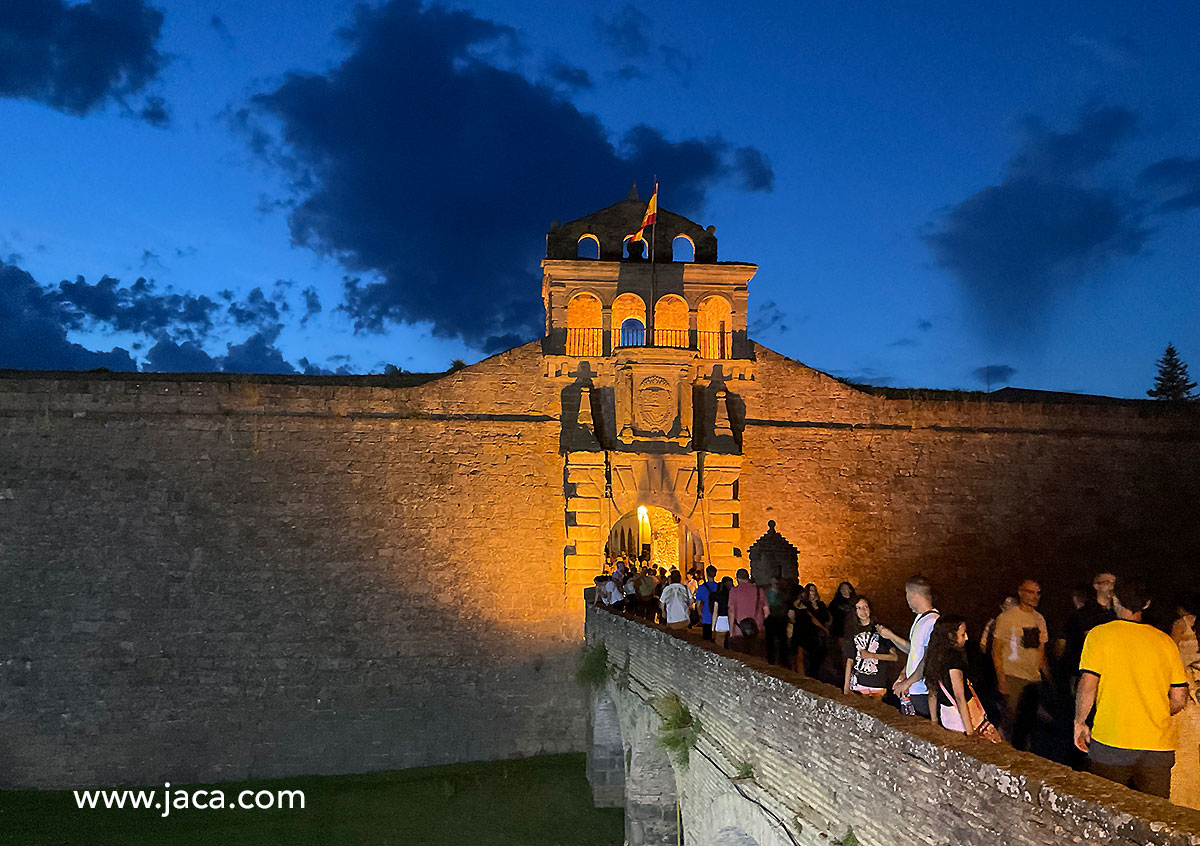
[[824, 763]]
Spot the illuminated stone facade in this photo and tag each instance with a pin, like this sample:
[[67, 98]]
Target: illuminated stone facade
[[216, 576]]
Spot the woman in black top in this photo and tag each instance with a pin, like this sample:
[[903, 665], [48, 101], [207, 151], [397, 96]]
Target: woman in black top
[[718, 601], [841, 611], [946, 673], [810, 630]]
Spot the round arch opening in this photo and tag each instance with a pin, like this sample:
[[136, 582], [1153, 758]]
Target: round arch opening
[[658, 537]]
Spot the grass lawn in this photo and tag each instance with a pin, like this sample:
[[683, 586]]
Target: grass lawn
[[534, 801]]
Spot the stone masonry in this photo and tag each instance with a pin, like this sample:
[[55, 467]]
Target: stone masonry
[[824, 764], [216, 576]]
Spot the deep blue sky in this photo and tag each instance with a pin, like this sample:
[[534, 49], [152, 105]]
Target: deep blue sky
[[928, 191]]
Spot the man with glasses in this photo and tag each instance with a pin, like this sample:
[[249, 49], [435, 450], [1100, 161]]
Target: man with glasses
[[1019, 653], [1093, 613]]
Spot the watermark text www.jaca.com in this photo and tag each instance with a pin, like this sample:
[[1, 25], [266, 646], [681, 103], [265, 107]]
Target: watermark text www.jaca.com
[[182, 799]]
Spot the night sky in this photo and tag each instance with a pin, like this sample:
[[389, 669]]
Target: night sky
[[937, 195]]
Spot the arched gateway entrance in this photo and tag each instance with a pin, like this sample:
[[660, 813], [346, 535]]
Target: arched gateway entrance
[[656, 535]]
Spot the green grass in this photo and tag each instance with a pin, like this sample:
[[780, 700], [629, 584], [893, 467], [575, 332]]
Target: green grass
[[536, 801]]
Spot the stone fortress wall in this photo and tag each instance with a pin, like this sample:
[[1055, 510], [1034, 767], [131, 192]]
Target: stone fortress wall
[[233, 578], [824, 764], [974, 494], [228, 577]]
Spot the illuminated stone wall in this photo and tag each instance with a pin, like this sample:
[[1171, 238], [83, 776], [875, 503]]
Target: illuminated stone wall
[[226, 579], [976, 495], [824, 763]]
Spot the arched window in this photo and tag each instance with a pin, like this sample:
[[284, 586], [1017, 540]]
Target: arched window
[[682, 249], [589, 247], [585, 333], [625, 308], [636, 249], [671, 322], [633, 333], [714, 327]]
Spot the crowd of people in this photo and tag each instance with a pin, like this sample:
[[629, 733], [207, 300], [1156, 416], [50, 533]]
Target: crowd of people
[[1115, 688]]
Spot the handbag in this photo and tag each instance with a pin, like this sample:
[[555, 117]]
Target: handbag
[[748, 627], [975, 717]]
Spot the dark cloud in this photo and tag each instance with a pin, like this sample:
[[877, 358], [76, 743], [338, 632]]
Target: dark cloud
[[1046, 226], [155, 112], [1047, 154], [903, 342], [994, 374], [924, 325], [768, 318], [312, 304], [628, 72], [140, 307], [755, 169], [625, 32], [217, 23], [255, 310], [151, 260], [309, 368], [569, 75], [257, 354], [866, 376], [75, 58], [431, 172], [33, 333], [166, 356], [1176, 180], [35, 319]]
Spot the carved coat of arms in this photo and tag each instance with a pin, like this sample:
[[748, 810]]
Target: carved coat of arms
[[655, 404]]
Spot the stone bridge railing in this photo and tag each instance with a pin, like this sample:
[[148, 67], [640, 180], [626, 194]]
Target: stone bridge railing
[[824, 764]]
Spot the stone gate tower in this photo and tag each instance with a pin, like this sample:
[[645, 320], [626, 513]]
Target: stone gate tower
[[652, 358]]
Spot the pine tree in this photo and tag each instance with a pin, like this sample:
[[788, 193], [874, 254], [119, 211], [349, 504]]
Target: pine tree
[[1172, 382]]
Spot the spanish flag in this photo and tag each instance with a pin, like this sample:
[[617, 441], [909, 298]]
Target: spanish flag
[[650, 216]]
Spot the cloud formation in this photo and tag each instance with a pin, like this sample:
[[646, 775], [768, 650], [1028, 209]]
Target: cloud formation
[[35, 320], [994, 374], [432, 174], [76, 58], [625, 31], [140, 307], [1176, 181], [33, 334], [1047, 225]]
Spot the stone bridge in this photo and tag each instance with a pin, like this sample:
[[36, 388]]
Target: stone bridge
[[824, 764]]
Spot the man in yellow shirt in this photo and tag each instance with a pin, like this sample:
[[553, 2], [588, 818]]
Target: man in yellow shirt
[[1132, 673]]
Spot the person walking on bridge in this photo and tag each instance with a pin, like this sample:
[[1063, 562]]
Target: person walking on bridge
[[910, 686], [747, 613], [1133, 674]]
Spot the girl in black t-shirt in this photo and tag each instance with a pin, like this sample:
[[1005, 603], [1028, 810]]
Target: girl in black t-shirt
[[946, 673], [864, 647]]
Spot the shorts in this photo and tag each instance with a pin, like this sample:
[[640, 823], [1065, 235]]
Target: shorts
[[721, 624], [855, 687]]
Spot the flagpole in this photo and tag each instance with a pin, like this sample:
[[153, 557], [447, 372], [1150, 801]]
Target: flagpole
[[653, 232]]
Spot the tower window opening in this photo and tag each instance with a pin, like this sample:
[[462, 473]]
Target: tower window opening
[[682, 249], [589, 247]]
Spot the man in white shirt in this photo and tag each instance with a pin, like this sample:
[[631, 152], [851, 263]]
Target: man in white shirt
[[676, 603], [911, 683], [1019, 653]]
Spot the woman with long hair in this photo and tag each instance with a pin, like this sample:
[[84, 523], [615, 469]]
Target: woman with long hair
[[864, 648], [841, 611], [946, 674], [810, 630], [719, 603]]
